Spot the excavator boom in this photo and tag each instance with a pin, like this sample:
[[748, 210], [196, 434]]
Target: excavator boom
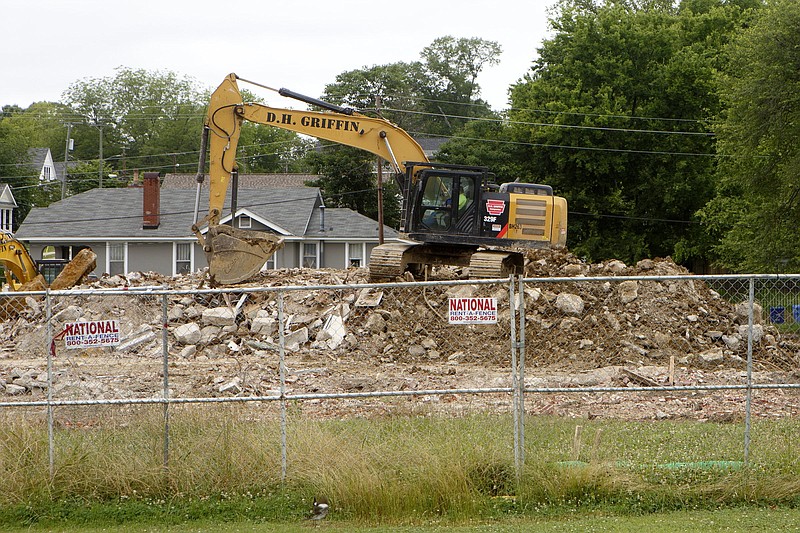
[[235, 255]]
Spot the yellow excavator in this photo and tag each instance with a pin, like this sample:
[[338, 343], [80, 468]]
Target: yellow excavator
[[25, 276], [451, 214]]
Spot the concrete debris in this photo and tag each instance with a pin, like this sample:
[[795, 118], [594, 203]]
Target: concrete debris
[[570, 304], [577, 333], [188, 333], [219, 316]]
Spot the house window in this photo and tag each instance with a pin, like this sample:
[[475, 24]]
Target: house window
[[245, 222], [5, 220], [310, 255], [183, 257], [355, 254], [116, 258], [47, 173], [272, 262]]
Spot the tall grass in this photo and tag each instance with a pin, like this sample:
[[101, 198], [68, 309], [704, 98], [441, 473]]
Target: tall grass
[[394, 468]]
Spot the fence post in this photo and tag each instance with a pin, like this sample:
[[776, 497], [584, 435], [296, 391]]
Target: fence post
[[282, 371], [51, 454], [749, 390], [165, 353], [514, 377], [521, 373]]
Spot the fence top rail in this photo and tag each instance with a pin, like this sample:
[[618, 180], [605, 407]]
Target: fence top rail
[[693, 277], [395, 393], [167, 290]]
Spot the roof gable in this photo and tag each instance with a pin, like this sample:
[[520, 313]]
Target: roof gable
[[37, 157], [239, 212], [7, 197]]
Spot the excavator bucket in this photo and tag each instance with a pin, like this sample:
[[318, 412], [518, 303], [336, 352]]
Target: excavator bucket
[[235, 255]]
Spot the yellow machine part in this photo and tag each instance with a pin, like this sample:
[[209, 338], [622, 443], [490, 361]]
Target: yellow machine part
[[538, 218], [235, 255], [15, 258]]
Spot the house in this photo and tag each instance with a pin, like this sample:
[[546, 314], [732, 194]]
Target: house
[[7, 206], [42, 162], [431, 145], [148, 228]]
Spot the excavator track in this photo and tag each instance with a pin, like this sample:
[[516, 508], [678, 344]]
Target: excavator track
[[390, 261], [387, 261], [495, 264]]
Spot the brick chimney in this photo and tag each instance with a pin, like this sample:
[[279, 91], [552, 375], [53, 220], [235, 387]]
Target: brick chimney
[[151, 201]]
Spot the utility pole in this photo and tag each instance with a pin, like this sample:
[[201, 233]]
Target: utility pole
[[66, 160], [100, 172]]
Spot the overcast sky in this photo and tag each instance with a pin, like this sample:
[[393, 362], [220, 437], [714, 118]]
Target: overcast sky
[[298, 44]]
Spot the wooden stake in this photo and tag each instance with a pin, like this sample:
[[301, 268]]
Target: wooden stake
[[576, 443], [596, 444]]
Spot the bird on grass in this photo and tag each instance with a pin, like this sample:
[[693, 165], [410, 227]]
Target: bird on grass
[[320, 509]]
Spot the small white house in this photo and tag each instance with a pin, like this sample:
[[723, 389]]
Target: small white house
[[42, 162]]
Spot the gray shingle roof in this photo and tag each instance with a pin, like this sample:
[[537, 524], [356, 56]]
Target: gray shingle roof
[[37, 156], [345, 223], [246, 181], [117, 213]]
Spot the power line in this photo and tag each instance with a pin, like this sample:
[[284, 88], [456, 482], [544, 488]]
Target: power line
[[554, 125], [363, 191], [502, 121], [627, 217]]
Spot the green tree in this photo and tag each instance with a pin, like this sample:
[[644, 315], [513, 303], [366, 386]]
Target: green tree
[[456, 63], [614, 115], [487, 143], [432, 97], [150, 119], [391, 90], [39, 126], [451, 94], [756, 210], [347, 180]]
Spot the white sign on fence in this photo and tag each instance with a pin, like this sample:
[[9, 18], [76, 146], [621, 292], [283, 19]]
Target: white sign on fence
[[472, 311], [91, 334]]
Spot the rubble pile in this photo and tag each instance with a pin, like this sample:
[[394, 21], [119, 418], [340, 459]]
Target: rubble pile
[[354, 338]]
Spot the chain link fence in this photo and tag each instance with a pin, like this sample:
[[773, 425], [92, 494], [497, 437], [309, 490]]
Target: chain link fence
[[638, 348]]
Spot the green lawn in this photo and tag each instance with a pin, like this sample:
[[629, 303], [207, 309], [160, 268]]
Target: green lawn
[[425, 473], [741, 519]]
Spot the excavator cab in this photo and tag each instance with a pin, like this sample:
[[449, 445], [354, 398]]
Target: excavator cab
[[445, 203], [445, 200]]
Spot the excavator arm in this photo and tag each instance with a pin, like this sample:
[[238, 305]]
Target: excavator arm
[[227, 112], [16, 259], [234, 255]]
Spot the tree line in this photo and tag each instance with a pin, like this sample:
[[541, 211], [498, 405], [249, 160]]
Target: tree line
[[668, 126]]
